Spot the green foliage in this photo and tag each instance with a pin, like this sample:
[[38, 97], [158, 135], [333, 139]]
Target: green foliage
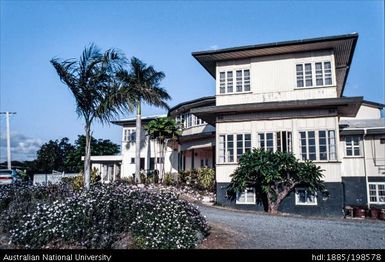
[[168, 179], [53, 155], [274, 175], [162, 129], [77, 182], [95, 218], [200, 179], [206, 179], [99, 147]]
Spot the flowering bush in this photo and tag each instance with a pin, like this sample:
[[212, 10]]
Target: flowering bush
[[96, 218]]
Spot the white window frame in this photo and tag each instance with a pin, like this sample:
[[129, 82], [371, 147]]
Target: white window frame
[[329, 145], [188, 120], [223, 153], [289, 142], [127, 135], [244, 82], [377, 191], [352, 146], [324, 75], [298, 203], [245, 193], [243, 147]]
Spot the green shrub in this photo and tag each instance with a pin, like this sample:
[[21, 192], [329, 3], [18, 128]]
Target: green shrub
[[200, 179], [168, 179], [206, 179]]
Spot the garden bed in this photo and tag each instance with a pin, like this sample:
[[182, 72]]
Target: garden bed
[[104, 217]]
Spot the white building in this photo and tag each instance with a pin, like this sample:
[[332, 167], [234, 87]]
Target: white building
[[285, 96]]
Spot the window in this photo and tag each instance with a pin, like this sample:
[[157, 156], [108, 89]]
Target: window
[[188, 120], [132, 160], [308, 75], [242, 81], [353, 145], [325, 149], [278, 141], [299, 75], [305, 197], [284, 141], [230, 148], [222, 82], [129, 135], [239, 80], [377, 193], [246, 197], [246, 80], [228, 144], [243, 144], [159, 160], [226, 148], [314, 74], [229, 81]]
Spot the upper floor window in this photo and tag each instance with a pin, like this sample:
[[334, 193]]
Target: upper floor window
[[275, 141], [240, 77], [314, 74], [353, 145], [129, 135], [189, 120], [319, 145]]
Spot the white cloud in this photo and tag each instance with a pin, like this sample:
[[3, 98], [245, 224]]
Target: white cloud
[[22, 147], [214, 47]]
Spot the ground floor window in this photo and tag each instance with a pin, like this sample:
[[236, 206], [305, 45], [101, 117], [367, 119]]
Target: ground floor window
[[246, 197], [305, 197], [377, 193]]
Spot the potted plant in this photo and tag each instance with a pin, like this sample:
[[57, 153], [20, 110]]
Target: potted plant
[[359, 212]]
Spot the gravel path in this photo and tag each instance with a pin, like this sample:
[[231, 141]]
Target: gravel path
[[260, 231]]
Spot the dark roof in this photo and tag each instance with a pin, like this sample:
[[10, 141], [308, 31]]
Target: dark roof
[[346, 106], [184, 106], [131, 122], [343, 46], [373, 104]]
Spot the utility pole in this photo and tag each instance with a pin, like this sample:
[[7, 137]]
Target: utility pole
[[9, 166]]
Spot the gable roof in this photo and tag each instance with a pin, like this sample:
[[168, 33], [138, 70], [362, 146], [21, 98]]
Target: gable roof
[[342, 45]]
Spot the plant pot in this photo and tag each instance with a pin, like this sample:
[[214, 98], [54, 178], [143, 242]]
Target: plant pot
[[374, 212], [381, 214], [359, 212]]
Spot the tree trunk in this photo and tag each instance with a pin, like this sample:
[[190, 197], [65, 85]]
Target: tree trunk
[[137, 142], [156, 159], [87, 158], [274, 205]]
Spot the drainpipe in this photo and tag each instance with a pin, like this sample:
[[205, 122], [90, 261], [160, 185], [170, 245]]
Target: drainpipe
[[366, 175]]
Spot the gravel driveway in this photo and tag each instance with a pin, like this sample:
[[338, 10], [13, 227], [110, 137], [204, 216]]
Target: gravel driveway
[[260, 231]]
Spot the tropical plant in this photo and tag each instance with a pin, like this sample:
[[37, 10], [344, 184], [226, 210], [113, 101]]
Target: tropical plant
[[141, 84], [274, 175], [163, 130], [91, 79]]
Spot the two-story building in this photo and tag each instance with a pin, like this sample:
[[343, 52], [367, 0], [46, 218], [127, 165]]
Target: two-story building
[[285, 96]]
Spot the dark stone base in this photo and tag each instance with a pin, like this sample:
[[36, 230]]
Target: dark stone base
[[330, 206]]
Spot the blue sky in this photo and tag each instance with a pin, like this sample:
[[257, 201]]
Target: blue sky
[[162, 34]]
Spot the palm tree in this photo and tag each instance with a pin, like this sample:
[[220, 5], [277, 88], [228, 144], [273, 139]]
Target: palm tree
[[91, 79], [141, 84], [162, 130]]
